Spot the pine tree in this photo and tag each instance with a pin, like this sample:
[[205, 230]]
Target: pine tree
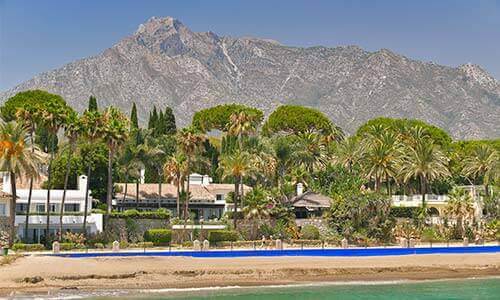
[[169, 121], [92, 103], [134, 124]]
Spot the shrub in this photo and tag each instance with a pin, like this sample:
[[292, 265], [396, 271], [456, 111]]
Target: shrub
[[99, 245], [404, 212], [158, 236], [309, 232], [216, 236], [67, 246], [135, 214], [430, 234], [28, 247]]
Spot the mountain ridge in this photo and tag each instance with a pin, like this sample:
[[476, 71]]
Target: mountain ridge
[[165, 63]]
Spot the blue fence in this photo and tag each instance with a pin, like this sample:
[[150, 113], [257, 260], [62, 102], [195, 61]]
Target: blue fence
[[296, 252]]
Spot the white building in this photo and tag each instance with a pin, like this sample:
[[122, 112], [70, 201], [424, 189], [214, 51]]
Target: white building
[[74, 208]]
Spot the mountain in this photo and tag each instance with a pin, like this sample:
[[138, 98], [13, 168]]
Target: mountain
[[165, 63]]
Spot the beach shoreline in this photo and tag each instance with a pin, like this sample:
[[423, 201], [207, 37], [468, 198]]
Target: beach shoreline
[[147, 273]]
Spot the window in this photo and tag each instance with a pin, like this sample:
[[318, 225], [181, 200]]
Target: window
[[21, 207], [53, 208], [219, 197], [72, 207], [3, 209], [40, 208]]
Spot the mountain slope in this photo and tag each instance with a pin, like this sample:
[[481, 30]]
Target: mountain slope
[[165, 63]]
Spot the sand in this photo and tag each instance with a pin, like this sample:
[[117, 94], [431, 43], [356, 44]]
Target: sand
[[58, 273]]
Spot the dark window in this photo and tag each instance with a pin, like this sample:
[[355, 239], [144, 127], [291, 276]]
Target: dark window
[[21, 207], [72, 207], [219, 197]]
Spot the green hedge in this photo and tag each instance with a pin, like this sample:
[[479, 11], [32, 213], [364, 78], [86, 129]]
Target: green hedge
[[135, 214], [222, 236], [28, 247], [404, 212], [158, 236]]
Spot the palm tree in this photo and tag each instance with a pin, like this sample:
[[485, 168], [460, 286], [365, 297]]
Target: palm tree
[[236, 166], [92, 128], [53, 116], [28, 118], [153, 155], [483, 162], [426, 162], [190, 144], [17, 158], [381, 158], [130, 166], [348, 153], [72, 129], [115, 134], [459, 206], [310, 151], [241, 124], [257, 207], [174, 170]]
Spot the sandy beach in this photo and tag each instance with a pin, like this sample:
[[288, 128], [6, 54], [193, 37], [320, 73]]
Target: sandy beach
[[56, 273]]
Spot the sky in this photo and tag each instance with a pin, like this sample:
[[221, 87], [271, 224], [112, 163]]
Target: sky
[[38, 36]]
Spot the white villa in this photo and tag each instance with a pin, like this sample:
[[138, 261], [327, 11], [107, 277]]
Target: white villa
[[437, 203], [74, 208], [208, 199]]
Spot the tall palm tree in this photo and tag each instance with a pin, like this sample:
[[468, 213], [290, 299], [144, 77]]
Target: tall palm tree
[[257, 207], [28, 118], [241, 124], [380, 159], [130, 166], [310, 152], [16, 158], [53, 117], [484, 161], [153, 156], [190, 143], [236, 166], [459, 206], [115, 134], [92, 129], [72, 129], [426, 162], [174, 169], [348, 152]]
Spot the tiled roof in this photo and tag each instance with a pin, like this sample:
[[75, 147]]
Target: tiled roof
[[311, 199]]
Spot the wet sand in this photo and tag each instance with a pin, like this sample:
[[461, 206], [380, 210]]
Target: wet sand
[[57, 273]]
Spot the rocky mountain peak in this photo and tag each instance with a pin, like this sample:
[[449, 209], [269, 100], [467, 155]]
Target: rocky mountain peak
[[164, 63]]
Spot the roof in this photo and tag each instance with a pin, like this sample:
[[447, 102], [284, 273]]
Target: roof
[[311, 199], [169, 191]]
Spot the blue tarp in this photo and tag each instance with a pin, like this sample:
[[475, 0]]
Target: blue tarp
[[297, 252]]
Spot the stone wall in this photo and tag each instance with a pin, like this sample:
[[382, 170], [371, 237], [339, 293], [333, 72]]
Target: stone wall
[[132, 230]]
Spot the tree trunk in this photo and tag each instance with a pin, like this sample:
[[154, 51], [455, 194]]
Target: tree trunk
[[30, 192], [178, 199], [423, 189], [388, 182], [86, 208], [66, 178], [12, 209], [109, 194], [137, 194], [126, 187], [49, 181], [235, 201], [377, 183]]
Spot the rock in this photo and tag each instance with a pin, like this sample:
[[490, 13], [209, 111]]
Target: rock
[[167, 64], [32, 280]]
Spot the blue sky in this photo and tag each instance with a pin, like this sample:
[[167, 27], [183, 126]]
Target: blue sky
[[37, 36]]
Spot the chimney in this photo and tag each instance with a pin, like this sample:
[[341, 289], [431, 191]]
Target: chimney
[[142, 176], [205, 180], [82, 183], [300, 189], [6, 183]]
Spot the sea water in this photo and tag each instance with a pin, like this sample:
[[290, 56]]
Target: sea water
[[488, 288]]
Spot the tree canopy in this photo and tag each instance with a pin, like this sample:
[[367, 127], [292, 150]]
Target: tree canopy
[[219, 117], [438, 135], [33, 100], [299, 119]]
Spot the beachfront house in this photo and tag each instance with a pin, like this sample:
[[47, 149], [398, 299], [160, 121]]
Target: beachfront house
[[74, 208], [309, 204], [436, 204], [208, 199]]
